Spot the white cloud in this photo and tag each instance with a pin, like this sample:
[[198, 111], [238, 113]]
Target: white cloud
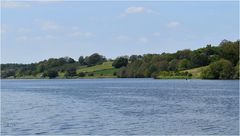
[[48, 25], [24, 30], [26, 3], [14, 4], [81, 34], [134, 10], [137, 10], [173, 24]]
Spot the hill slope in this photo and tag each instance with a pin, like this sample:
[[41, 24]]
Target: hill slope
[[99, 71], [196, 72]]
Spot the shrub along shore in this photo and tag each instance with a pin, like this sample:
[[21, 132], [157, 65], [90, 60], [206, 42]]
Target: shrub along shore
[[210, 62]]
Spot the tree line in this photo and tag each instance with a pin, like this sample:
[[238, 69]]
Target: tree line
[[222, 62]]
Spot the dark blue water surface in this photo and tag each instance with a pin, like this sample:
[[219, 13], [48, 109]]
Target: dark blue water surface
[[120, 106]]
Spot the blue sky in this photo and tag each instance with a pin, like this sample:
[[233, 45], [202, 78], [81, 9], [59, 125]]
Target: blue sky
[[33, 31]]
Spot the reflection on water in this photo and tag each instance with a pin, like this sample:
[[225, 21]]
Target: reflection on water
[[120, 106]]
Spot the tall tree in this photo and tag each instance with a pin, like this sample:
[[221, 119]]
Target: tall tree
[[81, 60], [120, 62], [95, 59]]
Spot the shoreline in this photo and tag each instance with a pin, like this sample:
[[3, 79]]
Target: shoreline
[[109, 78]]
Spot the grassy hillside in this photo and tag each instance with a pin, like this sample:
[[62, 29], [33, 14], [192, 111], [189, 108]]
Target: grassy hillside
[[106, 70], [105, 65], [99, 71], [196, 72]]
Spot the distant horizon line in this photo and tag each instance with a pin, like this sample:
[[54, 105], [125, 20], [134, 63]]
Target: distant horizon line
[[108, 58]]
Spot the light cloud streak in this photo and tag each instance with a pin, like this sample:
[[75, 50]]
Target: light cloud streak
[[173, 24], [138, 10], [11, 4], [15, 4], [47, 25], [135, 10]]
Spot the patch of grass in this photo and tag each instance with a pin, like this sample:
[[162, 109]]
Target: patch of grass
[[106, 72], [196, 72], [61, 74], [105, 65]]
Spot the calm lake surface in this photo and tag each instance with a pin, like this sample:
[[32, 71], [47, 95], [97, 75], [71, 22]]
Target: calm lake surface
[[120, 106]]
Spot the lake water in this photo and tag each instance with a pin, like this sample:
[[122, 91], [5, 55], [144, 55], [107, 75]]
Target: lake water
[[120, 106]]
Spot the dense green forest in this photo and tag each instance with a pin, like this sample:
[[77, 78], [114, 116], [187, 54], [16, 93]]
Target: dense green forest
[[210, 62]]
